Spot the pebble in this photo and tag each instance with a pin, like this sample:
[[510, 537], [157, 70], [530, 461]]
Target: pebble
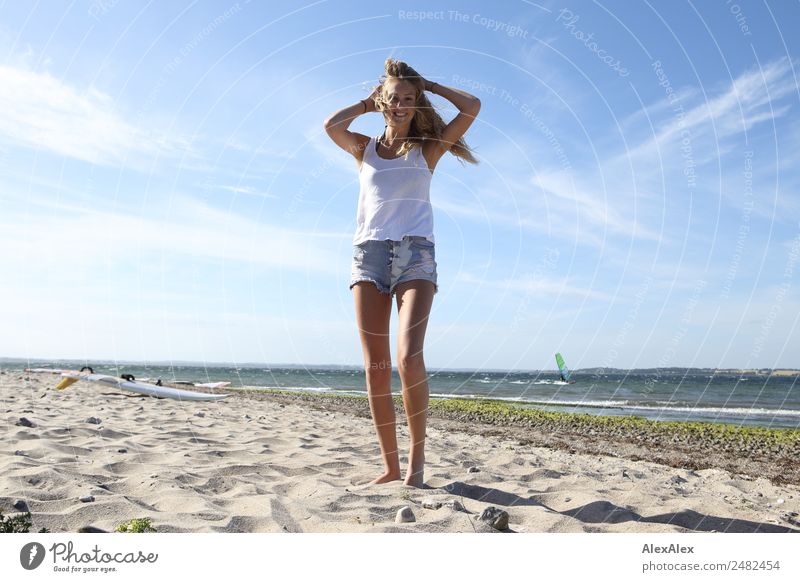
[[200, 414], [455, 505], [87, 498], [93, 420], [405, 515], [25, 422], [122, 450], [431, 503], [781, 501], [20, 505], [473, 470], [495, 517]]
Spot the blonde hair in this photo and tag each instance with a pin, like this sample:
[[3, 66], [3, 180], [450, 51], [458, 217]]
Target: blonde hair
[[426, 123]]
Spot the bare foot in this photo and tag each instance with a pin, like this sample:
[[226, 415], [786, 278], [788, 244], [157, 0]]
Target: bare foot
[[414, 481], [386, 478], [415, 478], [416, 468]]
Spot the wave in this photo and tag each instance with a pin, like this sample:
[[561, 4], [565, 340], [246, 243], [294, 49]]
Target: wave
[[668, 407], [721, 411], [622, 405]]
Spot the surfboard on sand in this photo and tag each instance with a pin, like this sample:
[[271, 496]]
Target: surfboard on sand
[[128, 383]]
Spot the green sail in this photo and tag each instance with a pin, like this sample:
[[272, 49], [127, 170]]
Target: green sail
[[562, 368]]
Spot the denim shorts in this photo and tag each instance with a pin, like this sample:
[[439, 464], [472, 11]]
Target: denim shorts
[[387, 263]]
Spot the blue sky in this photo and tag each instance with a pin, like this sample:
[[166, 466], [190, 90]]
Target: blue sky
[[167, 191]]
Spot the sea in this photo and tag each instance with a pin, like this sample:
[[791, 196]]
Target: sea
[[663, 395]]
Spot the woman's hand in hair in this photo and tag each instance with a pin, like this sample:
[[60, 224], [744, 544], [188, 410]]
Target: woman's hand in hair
[[370, 101]]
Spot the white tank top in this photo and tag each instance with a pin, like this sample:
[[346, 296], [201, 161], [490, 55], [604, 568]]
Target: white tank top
[[394, 197]]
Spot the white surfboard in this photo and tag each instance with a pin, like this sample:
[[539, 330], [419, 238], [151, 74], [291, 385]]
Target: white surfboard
[[71, 377]]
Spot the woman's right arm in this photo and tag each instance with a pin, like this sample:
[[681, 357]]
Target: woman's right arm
[[336, 127]]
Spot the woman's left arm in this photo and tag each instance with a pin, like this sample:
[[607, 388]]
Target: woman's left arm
[[468, 107], [461, 99]]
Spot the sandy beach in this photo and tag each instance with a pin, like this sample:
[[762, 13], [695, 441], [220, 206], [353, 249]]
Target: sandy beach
[[282, 463]]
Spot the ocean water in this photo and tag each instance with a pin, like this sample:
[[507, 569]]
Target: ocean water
[[687, 395]]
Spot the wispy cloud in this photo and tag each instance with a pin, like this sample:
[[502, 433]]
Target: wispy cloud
[[594, 206], [750, 99], [535, 285], [39, 111], [190, 230], [619, 192], [247, 190]]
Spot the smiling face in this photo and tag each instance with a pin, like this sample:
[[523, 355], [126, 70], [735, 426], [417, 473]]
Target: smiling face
[[401, 97]]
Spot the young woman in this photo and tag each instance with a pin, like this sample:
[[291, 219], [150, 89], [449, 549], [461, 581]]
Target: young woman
[[394, 243]]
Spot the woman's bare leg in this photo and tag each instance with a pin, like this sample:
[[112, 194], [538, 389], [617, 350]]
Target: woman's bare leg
[[414, 300], [373, 311]]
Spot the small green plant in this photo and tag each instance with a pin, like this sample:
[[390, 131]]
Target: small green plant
[[138, 525], [18, 524]]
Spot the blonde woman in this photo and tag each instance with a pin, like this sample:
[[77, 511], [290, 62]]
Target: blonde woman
[[394, 251]]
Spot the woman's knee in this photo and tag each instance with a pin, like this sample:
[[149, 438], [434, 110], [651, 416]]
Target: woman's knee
[[378, 367], [410, 362]]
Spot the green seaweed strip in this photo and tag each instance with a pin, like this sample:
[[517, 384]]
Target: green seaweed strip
[[499, 412]]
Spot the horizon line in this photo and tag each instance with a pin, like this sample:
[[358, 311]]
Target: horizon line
[[198, 364]]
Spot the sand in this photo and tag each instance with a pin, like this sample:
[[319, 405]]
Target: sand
[[257, 463]]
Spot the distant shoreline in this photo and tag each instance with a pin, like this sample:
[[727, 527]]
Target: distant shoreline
[[672, 370]]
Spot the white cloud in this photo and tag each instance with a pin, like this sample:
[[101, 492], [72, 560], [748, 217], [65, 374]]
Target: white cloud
[[39, 111], [750, 99], [621, 193], [247, 190], [535, 285], [592, 205], [190, 229]]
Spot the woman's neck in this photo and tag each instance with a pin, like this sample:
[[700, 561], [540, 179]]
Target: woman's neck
[[391, 135]]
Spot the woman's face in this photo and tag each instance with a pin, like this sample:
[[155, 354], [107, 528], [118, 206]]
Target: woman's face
[[401, 96]]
